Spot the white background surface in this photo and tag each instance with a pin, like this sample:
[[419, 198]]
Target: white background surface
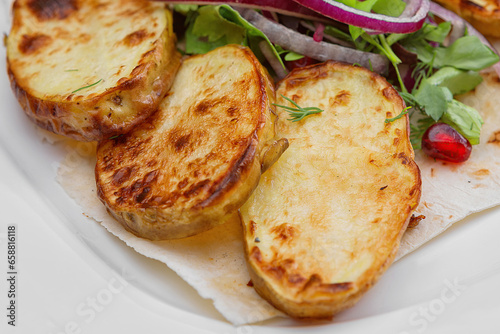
[[73, 277]]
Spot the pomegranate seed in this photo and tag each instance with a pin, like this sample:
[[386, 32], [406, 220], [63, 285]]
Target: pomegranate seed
[[443, 142], [299, 63]]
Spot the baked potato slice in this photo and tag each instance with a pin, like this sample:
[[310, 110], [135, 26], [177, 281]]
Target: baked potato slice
[[90, 69], [327, 218], [484, 15], [196, 160]]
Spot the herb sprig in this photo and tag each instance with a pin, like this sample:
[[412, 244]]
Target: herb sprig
[[401, 114], [298, 113], [85, 87]]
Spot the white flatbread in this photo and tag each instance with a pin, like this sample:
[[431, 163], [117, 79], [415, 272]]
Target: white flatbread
[[213, 262]]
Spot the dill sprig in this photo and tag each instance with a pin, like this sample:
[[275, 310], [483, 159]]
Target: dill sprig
[[298, 113], [85, 87], [401, 114]]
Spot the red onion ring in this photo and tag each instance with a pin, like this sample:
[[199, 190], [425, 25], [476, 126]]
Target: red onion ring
[[286, 7], [305, 45], [382, 23]]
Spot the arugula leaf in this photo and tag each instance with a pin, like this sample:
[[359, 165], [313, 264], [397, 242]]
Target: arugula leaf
[[211, 24], [214, 26], [420, 42], [210, 30], [437, 33], [466, 53], [457, 81], [464, 119]]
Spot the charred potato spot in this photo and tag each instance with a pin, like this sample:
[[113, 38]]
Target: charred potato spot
[[179, 140], [284, 232], [142, 196], [122, 175], [256, 255], [275, 272], [404, 158], [52, 9], [32, 43], [296, 279], [495, 138], [252, 227], [196, 188], [117, 100], [342, 98], [135, 38], [389, 93]]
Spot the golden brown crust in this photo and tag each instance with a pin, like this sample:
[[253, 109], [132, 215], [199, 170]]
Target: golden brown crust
[[118, 100], [195, 161], [327, 218], [484, 15]]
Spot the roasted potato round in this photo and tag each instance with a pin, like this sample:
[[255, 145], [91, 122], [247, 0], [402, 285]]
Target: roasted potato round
[[91, 69], [196, 160]]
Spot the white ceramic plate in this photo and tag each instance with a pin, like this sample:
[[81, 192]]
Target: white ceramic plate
[[74, 277]]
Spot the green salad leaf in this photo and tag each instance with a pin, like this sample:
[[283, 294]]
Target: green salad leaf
[[184, 9], [457, 81], [442, 72], [464, 119], [210, 27], [466, 53], [389, 7], [384, 7], [432, 99]]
